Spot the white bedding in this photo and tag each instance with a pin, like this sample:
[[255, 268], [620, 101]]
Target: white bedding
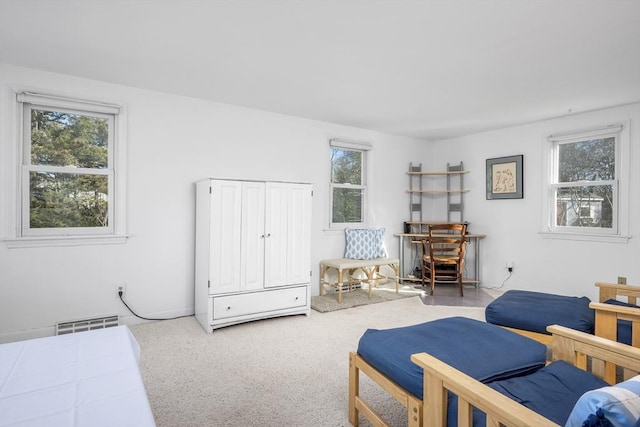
[[82, 379]]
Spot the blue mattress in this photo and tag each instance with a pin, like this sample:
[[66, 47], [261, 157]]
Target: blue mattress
[[551, 392], [534, 311], [483, 351]]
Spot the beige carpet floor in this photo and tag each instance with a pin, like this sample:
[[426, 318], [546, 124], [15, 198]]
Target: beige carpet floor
[[288, 371]]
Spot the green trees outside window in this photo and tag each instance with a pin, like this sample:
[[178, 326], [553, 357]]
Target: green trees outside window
[[585, 192], [347, 185], [68, 171]]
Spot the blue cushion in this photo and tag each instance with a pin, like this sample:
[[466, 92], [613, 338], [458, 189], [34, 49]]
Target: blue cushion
[[551, 392], [364, 243], [534, 311], [619, 404], [483, 351]]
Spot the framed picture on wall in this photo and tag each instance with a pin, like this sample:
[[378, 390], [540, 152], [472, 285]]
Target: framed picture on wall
[[504, 178]]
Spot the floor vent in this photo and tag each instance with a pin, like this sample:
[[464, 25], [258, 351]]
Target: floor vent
[[84, 325]]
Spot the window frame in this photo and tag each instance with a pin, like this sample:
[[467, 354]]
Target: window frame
[[620, 184], [364, 148], [20, 234]]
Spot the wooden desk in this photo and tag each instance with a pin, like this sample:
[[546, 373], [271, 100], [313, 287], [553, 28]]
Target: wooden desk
[[416, 238]]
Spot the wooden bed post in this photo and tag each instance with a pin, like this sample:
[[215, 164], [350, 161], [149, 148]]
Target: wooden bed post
[[414, 411], [354, 389], [435, 407]]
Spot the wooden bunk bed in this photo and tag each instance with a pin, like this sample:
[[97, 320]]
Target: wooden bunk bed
[[385, 357], [568, 345], [606, 315]]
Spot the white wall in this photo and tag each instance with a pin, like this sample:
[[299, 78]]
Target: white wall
[[512, 226], [174, 141]]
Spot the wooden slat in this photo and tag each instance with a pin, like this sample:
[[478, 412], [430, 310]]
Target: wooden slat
[[613, 290], [372, 416]]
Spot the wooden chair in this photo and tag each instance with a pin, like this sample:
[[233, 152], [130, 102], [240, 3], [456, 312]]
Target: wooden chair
[[443, 254]]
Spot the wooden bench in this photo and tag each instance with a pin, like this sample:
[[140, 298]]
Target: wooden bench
[[347, 267]]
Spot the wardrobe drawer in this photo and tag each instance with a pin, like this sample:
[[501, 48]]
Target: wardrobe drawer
[[258, 302]]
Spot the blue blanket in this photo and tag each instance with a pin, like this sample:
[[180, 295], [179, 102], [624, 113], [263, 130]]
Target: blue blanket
[[551, 392], [483, 351]]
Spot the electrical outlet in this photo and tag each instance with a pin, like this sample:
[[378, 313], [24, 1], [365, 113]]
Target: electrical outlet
[[509, 266], [622, 280], [120, 288]]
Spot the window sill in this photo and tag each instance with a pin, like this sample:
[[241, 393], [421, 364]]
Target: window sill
[[584, 237], [44, 241], [339, 229], [330, 231]]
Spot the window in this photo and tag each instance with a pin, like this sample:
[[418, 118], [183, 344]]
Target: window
[[348, 185], [584, 187], [68, 169]]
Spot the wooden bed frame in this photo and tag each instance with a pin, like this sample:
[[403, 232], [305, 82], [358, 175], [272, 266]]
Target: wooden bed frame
[[606, 326], [603, 313], [357, 405], [569, 345]]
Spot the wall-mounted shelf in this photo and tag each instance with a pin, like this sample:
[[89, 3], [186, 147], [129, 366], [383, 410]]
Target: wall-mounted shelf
[[438, 173], [437, 191], [454, 190]]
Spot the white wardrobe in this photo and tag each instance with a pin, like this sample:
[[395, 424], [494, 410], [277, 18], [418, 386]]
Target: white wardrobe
[[252, 251]]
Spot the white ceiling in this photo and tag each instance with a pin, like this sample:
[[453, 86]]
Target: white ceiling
[[426, 69]]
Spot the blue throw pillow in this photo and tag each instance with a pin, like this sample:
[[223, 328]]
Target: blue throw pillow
[[619, 404], [364, 243], [597, 420]]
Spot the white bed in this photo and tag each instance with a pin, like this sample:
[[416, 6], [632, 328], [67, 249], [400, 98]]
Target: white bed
[[82, 379]]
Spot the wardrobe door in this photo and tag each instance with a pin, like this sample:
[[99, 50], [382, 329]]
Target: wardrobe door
[[225, 232], [276, 228], [287, 224], [299, 234], [253, 236]]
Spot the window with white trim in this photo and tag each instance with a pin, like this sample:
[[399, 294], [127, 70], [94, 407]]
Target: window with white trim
[[69, 180], [348, 185], [584, 187]]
